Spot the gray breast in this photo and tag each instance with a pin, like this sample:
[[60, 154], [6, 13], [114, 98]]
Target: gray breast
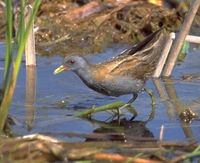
[[117, 87], [113, 87]]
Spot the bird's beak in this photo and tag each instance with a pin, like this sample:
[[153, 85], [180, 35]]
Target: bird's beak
[[60, 69]]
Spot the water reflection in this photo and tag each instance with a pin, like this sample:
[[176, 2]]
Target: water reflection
[[120, 128], [30, 96], [174, 106], [51, 116], [125, 130]]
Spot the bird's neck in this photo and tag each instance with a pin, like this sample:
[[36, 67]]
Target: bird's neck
[[85, 74]]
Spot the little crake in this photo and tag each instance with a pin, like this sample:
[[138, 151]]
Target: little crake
[[124, 74]]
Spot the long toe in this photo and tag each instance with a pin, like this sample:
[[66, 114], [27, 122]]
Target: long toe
[[124, 106]]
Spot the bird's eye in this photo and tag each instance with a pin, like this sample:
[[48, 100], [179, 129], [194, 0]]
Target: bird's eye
[[72, 61]]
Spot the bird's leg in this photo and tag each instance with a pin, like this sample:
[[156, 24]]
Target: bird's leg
[[132, 110], [135, 95], [129, 102]]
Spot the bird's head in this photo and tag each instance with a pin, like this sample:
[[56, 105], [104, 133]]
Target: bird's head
[[72, 63]]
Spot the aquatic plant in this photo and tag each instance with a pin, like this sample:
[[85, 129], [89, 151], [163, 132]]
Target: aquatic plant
[[13, 62]]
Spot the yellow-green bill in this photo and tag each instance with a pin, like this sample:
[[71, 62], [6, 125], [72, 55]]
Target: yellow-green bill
[[59, 69]]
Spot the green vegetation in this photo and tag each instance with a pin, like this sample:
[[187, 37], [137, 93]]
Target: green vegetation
[[13, 62]]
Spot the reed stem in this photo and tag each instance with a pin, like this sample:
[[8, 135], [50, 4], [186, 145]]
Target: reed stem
[[178, 43]]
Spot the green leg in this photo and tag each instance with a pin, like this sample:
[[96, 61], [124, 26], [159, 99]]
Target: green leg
[[133, 111]]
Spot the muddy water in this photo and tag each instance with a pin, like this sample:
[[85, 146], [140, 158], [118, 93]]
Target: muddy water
[[50, 107]]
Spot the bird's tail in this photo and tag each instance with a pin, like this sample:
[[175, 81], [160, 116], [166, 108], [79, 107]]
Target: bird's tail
[[150, 48]]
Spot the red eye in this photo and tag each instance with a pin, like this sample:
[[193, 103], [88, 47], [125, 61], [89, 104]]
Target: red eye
[[72, 61]]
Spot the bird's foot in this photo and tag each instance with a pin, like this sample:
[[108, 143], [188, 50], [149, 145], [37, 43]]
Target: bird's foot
[[133, 111], [120, 108], [124, 106], [130, 108]]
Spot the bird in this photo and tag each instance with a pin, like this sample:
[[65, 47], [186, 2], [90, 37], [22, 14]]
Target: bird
[[124, 74]]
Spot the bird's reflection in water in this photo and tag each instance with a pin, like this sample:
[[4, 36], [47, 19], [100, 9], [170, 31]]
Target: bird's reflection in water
[[125, 131]]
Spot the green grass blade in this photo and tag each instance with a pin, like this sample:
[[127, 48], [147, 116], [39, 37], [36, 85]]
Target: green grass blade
[[9, 34], [21, 27], [9, 91]]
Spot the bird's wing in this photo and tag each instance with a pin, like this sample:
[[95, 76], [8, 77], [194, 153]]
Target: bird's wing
[[103, 71], [140, 61], [136, 66], [148, 40]]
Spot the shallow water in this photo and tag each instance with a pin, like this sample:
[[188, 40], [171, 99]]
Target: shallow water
[[50, 108]]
